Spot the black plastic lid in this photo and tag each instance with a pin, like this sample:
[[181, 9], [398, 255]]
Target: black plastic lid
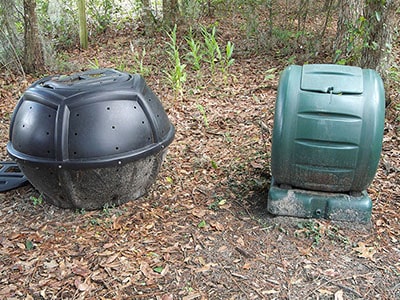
[[91, 119]]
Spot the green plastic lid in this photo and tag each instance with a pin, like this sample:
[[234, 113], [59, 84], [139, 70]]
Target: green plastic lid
[[334, 79]]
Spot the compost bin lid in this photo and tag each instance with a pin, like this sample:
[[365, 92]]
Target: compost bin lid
[[96, 118], [85, 80], [336, 79]]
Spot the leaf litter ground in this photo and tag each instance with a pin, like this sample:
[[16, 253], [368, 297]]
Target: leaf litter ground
[[203, 231]]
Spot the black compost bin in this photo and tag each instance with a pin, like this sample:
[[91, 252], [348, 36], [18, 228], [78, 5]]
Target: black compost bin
[[90, 139]]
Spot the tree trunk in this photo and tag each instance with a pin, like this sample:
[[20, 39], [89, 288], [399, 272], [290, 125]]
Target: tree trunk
[[347, 40], [33, 51], [170, 12], [382, 22], [365, 31], [83, 33], [149, 19]]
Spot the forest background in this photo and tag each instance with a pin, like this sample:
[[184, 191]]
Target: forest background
[[202, 232]]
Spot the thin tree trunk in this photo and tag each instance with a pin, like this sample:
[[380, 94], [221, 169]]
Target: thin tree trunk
[[83, 33], [33, 51]]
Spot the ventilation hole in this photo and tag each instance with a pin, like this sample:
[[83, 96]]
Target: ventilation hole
[[142, 122], [117, 148], [134, 107], [158, 116], [23, 125], [148, 139], [47, 133], [48, 151], [108, 108], [77, 115], [149, 99], [113, 127], [49, 116], [75, 153], [75, 133], [30, 107]]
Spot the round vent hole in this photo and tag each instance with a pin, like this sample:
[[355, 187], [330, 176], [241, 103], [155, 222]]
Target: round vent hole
[[142, 122], [75, 133], [134, 107], [113, 127], [117, 148], [47, 133], [108, 108], [23, 126], [30, 107], [77, 115], [49, 116]]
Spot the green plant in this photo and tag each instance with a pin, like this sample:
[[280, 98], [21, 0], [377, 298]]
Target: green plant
[[138, 59], [203, 114], [94, 64], [213, 52], [100, 13], [228, 60], [194, 56], [311, 229], [37, 200], [177, 75]]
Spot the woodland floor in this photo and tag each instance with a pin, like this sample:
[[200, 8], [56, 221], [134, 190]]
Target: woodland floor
[[203, 231]]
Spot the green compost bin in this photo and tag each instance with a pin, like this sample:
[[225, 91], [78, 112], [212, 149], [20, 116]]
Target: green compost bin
[[327, 140]]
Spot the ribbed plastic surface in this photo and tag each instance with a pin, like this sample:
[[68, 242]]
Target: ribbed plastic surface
[[328, 128], [96, 118], [90, 138]]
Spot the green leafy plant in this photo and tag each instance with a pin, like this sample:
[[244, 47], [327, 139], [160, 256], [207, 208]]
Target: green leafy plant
[[228, 60], [316, 231], [203, 114], [138, 59], [94, 64], [213, 52], [177, 75], [37, 200], [311, 229], [101, 13], [195, 55]]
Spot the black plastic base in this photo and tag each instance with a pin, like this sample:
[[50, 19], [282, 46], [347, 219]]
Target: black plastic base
[[94, 188]]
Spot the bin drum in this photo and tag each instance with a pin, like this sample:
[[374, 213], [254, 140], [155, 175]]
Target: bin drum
[[328, 128], [90, 139]]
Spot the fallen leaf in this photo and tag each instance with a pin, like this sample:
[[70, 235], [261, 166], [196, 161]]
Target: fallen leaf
[[216, 225], [325, 292], [51, 264], [197, 212], [202, 224], [81, 286], [80, 271], [365, 251], [339, 295]]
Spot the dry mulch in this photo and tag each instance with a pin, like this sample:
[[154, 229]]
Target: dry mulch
[[203, 231]]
